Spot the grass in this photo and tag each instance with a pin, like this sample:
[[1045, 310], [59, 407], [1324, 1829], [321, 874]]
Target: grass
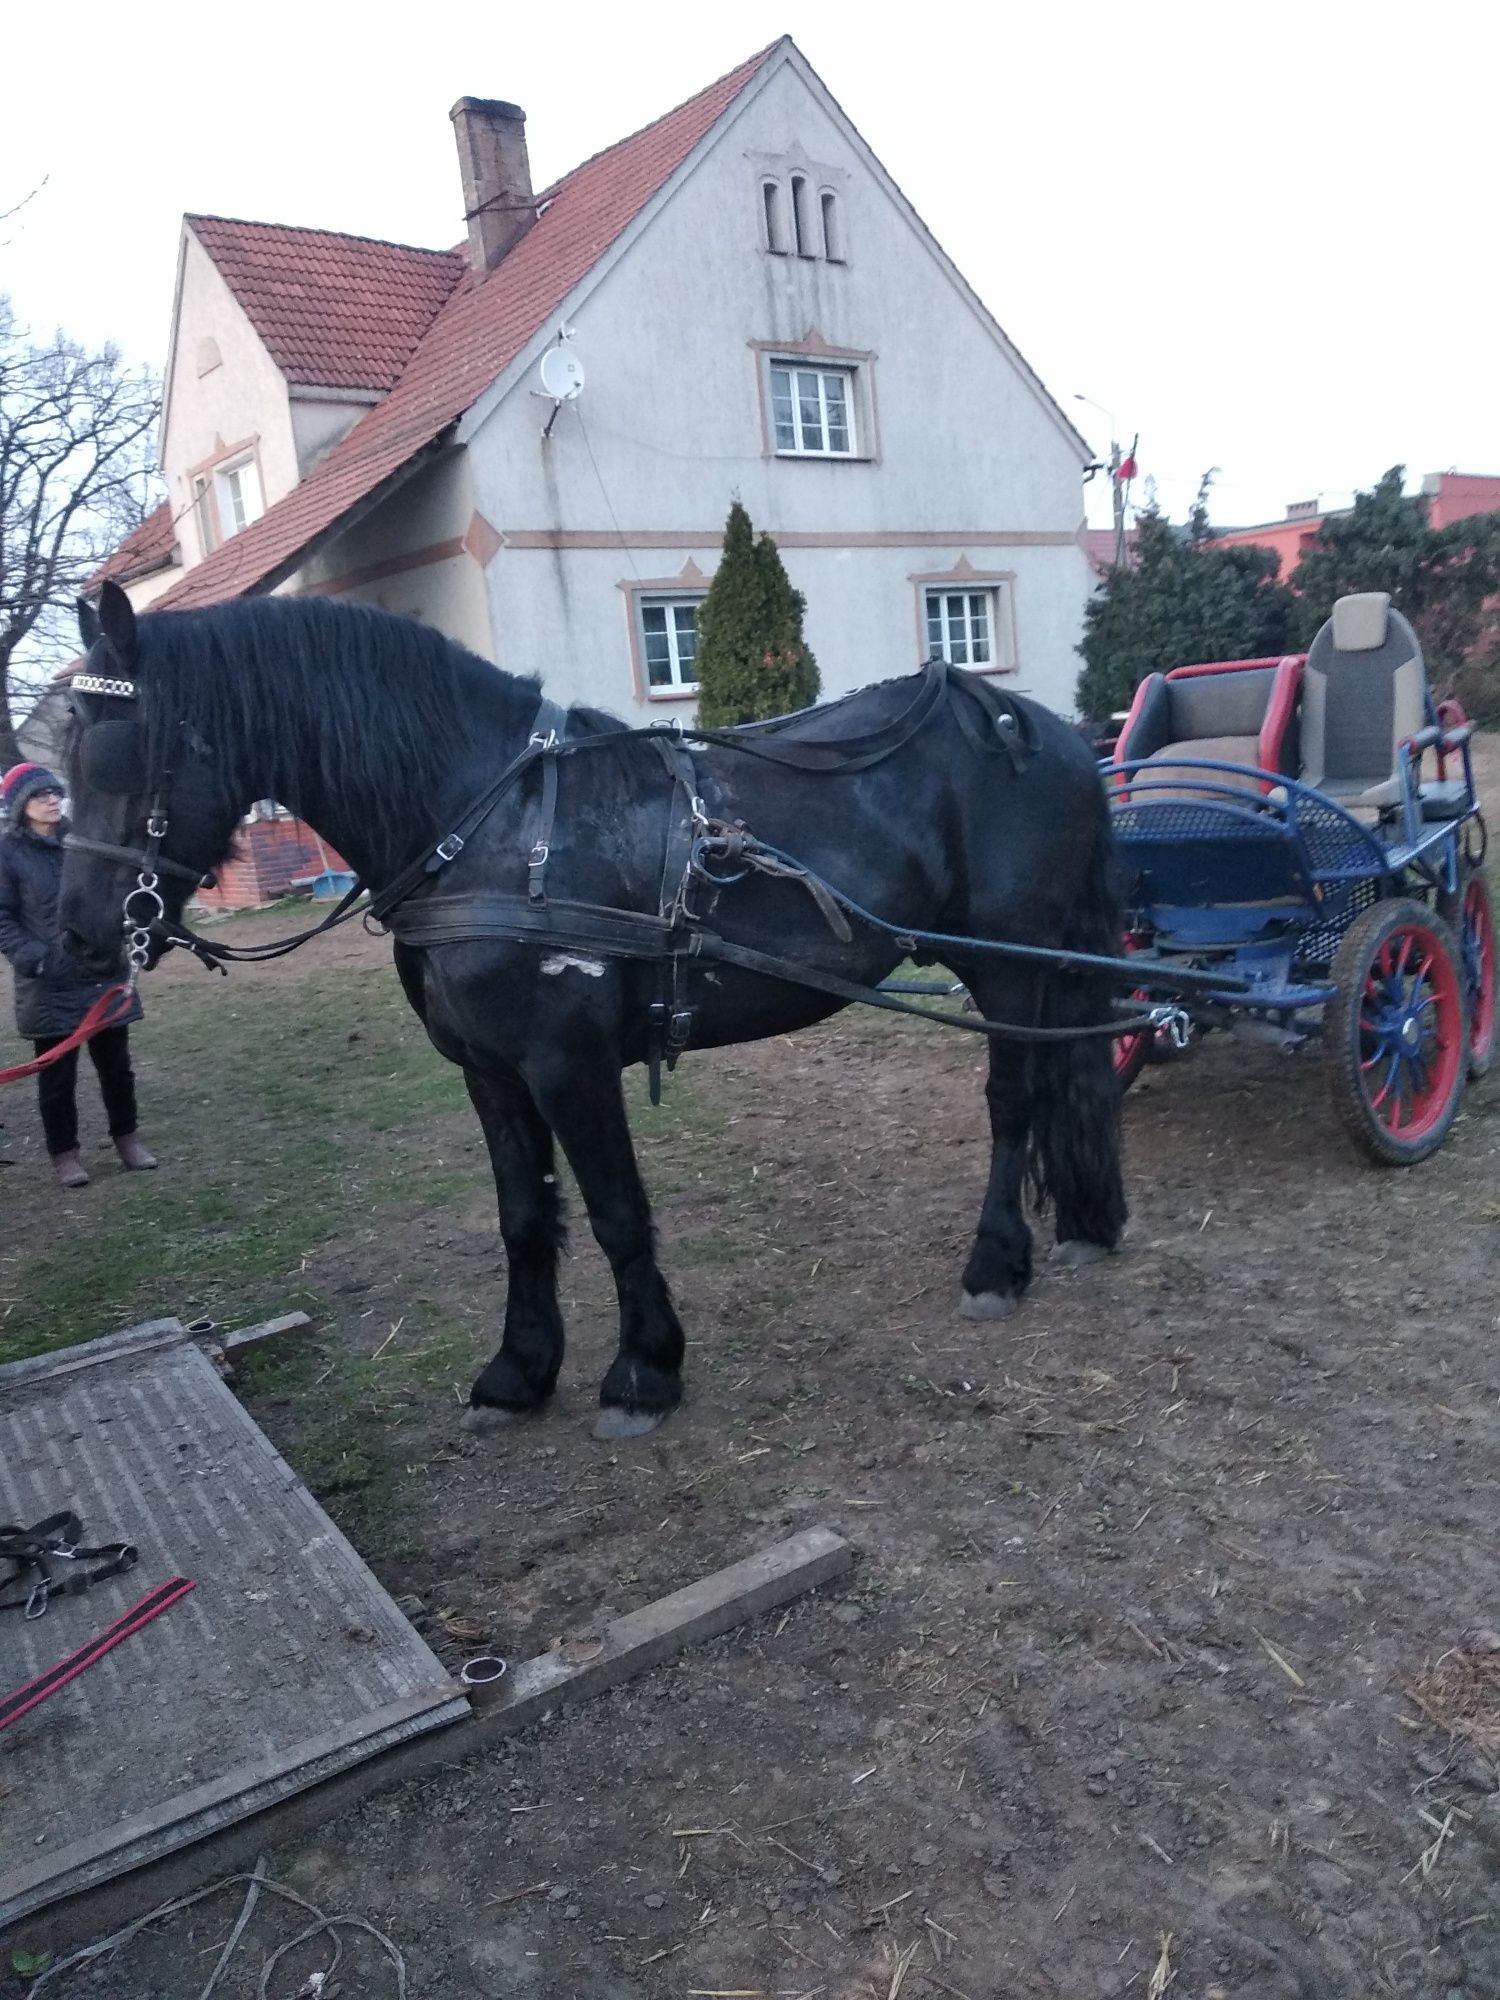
[[293, 1114]]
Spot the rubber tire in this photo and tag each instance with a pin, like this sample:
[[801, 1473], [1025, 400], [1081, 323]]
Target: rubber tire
[[1127, 1071], [1451, 909], [1341, 1031]]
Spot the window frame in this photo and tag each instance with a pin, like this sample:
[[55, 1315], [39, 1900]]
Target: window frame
[[649, 594], [229, 495], [998, 587], [822, 373], [861, 408], [830, 210], [772, 217], [207, 491]]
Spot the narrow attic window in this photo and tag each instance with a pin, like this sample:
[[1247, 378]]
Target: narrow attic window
[[833, 230], [770, 195], [800, 228], [209, 357]]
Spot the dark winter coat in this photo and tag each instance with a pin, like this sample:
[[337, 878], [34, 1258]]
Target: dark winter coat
[[53, 993]]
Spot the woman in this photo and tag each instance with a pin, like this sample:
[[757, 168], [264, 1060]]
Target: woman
[[53, 993]]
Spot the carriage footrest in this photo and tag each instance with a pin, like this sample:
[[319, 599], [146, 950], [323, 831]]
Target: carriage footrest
[[1445, 798]]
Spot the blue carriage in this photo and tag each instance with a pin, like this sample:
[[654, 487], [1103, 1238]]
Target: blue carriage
[[1309, 827]]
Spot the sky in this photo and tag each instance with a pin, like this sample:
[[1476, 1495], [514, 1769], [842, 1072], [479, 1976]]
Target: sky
[[1261, 239]]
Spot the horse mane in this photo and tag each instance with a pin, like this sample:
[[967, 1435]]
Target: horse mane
[[388, 695]]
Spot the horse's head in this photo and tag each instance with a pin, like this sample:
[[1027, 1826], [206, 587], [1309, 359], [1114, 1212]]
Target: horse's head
[[152, 811]]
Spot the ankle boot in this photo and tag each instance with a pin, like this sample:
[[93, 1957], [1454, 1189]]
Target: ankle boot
[[133, 1154], [70, 1170]]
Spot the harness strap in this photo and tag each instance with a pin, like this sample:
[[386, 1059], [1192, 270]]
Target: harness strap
[[31, 1553], [106, 852], [541, 847], [588, 927]]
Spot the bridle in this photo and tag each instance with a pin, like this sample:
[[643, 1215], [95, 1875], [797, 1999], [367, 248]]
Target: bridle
[[144, 915], [144, 911]]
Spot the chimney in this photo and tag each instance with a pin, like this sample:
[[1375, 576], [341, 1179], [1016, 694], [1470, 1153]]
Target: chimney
[[499, 206]]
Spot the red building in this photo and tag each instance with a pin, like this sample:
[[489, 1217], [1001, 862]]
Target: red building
[[1451, 496]]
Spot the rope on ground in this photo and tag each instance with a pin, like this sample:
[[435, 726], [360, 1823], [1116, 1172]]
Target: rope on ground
[[256, 1884], [247, 1911]]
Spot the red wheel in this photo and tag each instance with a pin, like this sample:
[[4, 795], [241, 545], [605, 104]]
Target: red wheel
[[1130, 1052], [1395, 1032], [1472, 914]]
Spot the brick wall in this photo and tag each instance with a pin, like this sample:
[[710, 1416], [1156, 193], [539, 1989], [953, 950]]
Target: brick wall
[[269, 855]]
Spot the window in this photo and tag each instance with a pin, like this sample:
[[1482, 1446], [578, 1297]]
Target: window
[[800, 229], [812, 410], [237, 489], [770, 195], [963, 627], [833, 240], [669, 643], [203, 514]]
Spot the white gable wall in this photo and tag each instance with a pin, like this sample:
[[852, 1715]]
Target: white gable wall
[[243, 399], [973, 465]]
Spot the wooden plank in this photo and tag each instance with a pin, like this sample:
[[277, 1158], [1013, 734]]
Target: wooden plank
[[140, 1339], [630, 1645], [642, 1639], [266, 1329]]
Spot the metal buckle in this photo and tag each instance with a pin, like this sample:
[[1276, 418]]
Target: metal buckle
[[36, 1603], [1174, 1022], [538, 742], [449, 848], [156, 826], [539, 854]]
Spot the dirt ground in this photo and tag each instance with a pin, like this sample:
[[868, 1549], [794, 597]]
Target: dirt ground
[[1119, 1698]]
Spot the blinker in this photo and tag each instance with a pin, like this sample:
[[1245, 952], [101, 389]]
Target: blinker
[[112, 758]]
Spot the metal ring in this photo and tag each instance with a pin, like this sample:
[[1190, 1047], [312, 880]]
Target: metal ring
[[483, 1670], [157, 909]]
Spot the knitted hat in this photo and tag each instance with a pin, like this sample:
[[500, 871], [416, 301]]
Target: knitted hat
[[22, 782]]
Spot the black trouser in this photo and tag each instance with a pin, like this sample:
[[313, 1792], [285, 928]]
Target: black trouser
[[55, 1088]]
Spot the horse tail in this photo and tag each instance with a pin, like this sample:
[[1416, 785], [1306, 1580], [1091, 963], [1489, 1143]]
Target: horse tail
[[1075, 1126]]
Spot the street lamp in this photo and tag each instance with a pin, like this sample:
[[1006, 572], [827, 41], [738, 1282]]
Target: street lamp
[[1121, 472]]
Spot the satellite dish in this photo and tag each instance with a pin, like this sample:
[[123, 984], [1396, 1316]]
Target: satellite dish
[[562, 374]]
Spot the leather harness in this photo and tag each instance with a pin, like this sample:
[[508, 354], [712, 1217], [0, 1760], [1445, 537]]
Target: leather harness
[[701, 857]]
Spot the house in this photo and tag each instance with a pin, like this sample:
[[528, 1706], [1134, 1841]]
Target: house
[[1451, 496], [754, 309]]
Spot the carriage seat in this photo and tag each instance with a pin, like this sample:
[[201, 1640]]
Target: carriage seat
[[1240, 712], [1364, 690]]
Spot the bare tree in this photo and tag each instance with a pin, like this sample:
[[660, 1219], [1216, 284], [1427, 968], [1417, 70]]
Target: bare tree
[[77, 474]]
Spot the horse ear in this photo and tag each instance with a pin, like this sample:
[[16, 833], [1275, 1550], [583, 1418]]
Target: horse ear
[[117, 619], [88, 623]]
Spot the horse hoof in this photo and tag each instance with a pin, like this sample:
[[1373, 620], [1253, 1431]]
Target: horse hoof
[[1075, 1253], [615, 1423], [486, 1418], [989, 1305]]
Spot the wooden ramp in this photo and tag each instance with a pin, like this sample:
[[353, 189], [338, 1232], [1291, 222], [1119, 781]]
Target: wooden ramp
[[287, 1665]]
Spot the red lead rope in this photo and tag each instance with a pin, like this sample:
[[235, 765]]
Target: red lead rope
[[107, 1012], [16, 1704]]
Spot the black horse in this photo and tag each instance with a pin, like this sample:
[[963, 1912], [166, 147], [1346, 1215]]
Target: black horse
[[380, 732]]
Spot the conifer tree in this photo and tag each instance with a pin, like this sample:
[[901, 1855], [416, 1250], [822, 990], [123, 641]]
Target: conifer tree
[[752, 660]]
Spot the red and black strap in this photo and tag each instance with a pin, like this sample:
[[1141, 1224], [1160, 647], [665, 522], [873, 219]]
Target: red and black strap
[[13, 1706]]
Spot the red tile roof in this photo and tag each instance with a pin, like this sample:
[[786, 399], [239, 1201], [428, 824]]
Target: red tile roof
[[150, 546], [336, 312], [1100, 546], [486, 321]]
